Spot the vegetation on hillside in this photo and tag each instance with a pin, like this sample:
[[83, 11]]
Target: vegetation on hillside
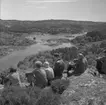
[[14, 39], [10, 41], [66, 53], [82, 90], [90, 50], [50, 26], [93, 36]]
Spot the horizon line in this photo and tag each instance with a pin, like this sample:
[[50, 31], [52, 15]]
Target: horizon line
[[50, 1], [51, 19]]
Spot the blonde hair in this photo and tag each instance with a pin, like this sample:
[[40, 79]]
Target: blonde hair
[[46, 63]]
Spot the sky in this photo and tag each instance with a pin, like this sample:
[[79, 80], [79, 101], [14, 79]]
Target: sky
[[90, 10]]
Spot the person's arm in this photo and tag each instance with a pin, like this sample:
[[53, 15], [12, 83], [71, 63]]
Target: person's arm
[[86, 63], [19, 78]]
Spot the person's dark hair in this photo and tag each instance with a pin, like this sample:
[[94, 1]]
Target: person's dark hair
[[38, 64], [56, 55], [12, 70]]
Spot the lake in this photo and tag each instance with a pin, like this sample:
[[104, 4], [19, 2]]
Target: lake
[[16, 56]]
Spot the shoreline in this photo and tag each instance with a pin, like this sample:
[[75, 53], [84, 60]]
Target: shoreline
[[18, 53], [11, 49], [7, 50]]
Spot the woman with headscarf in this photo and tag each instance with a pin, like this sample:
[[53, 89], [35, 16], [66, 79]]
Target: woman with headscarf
[[49, 72], [13, 77], [81, 64]]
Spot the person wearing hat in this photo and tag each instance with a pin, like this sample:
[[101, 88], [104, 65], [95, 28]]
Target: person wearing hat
[[49, 72], [40, 77], [81, 64], [59, 66]]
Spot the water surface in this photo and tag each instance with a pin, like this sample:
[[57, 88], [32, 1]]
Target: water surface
[[16, 56]]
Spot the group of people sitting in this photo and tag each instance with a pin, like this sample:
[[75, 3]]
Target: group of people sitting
[[43, 74]]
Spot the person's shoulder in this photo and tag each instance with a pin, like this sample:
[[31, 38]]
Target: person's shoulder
[[60, 61], [14, 74], [42, 70], [85, 59], [76, 59], [35, 72], [50, 69], [100, 58]]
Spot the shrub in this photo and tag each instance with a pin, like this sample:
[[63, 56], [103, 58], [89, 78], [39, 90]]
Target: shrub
[[58, 86], [19, 96], [103, 44]]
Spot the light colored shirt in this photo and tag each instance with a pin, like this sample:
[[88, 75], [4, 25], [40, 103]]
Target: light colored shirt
[[14, 78], [49, 73]]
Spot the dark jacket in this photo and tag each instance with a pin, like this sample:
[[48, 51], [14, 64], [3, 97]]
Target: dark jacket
[[103, 59], [99, 64], [40, 78], [80, 66], [59, 68]]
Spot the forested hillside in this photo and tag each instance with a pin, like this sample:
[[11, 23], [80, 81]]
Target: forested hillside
[[87, 89], [51, 26]]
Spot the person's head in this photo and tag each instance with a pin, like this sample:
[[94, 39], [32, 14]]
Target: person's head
[[61, 65], [57, 56], [38, 64], [46, 64], [12, 70], [80, 56]]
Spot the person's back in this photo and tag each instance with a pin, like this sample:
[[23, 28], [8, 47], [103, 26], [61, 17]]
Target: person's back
[[99, 64], [104, 65], [14, 78], [103, 60], [40, 78], [81, 65], [59, 68], [49, 71]]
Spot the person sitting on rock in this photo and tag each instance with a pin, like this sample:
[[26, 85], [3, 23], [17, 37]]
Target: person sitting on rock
[[13, 78], [102, 70], [99, 64], [40, 77], [70, 68], [81, 65], [30, 78], [58, 66], [49, 72]]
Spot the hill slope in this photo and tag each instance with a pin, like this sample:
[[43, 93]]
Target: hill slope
[[51, 26], [82, 90]]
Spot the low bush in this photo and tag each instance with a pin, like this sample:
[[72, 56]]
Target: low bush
[[58, 86], [16, 95], [19, 96]]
